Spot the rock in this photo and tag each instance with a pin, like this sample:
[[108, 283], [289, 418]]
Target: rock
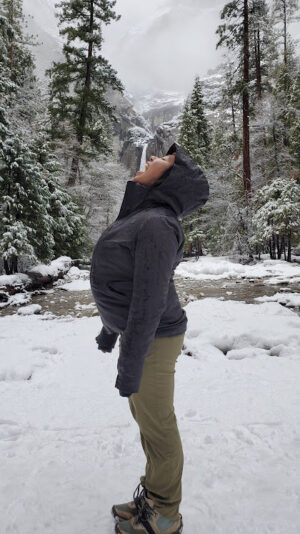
[[296, 251], [3, 296], [131, 156], [30, 309]]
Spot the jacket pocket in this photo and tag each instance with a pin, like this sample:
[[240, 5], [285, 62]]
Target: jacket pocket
[[123, 288]]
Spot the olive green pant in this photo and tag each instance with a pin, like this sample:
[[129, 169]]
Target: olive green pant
[[153, 409]]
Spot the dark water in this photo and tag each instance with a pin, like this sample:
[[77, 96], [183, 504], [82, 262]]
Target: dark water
[[60, 302]]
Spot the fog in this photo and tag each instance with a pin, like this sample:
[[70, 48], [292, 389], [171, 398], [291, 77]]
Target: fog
[[163, 44], [156, 45]]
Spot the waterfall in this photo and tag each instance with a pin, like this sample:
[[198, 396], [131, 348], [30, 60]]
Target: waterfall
[[143, 158]]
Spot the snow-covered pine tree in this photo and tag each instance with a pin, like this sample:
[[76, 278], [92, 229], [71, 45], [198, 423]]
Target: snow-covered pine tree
[[188, 134], [284, 112], [15, 162], [17, 57], [263, 52], [247, 31], [201, 125], [28, 201], [25, 224], [7, 86], [194, 137], [234, 34], [285, 12], [276, 222], [295, 124], [78, 105], [68, 223], [224, 224]]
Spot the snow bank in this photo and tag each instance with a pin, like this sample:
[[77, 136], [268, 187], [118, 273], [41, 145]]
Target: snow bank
[[18, 299], [18, 279], [61, 264], [214, 268], [76, 285], [68, 440], [35, 277], [75, 280], [22, 280], [292, 300], [217, 328], [29, 310]]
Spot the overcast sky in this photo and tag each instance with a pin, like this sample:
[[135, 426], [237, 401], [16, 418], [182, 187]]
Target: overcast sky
[[163, 44], [156, 45]]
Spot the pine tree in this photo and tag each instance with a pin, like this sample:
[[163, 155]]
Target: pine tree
[[294, 133], [68, 223], [188, 133], [285, 12], [277, 217], [17, 58], [37, 218], [229, 95], [283, 92], [194, 137], [7, 87], [25, 225], [235, 34], [262, 48], [201, 125], [79, 109], [194, 133]]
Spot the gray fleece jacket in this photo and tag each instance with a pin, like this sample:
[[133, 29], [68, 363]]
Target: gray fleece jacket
[[133, 265]]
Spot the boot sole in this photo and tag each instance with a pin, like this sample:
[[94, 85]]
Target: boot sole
[[179, 531]]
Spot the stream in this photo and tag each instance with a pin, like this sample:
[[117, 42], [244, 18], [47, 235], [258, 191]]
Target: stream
[[56, 301]]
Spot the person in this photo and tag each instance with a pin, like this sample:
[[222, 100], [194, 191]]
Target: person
[[131, 277]]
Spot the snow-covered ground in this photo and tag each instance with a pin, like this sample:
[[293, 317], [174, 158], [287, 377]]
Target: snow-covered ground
[[70, 448], [214, 268]]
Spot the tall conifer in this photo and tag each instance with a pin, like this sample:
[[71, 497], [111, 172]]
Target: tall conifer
[[78, 106]]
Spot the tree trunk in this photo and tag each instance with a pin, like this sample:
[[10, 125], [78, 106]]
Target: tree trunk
[[246, 135], [11, 18], [274, 246], [199, 248], [6, 266], [74, 172], [278, 246], [233, 119], [87, 83], [257, 63], [289, 254], [275, 147], [14, 264], [283, 247], [284, 33], [11, 266]]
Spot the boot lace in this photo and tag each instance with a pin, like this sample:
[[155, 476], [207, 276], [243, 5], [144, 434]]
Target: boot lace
[[144, 510]]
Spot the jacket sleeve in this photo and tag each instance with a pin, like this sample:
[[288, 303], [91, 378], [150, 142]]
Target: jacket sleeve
[[105, 340], [155, 256]]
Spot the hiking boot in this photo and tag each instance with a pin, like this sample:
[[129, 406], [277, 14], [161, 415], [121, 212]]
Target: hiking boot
[[147, 520], [128, 510]]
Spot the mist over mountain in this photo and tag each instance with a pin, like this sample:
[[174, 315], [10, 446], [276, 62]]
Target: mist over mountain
[[154, 59], [156, 46]]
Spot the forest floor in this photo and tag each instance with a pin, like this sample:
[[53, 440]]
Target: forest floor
[[68, 443]]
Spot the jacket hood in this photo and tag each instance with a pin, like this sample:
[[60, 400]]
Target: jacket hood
[[183, 188]]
